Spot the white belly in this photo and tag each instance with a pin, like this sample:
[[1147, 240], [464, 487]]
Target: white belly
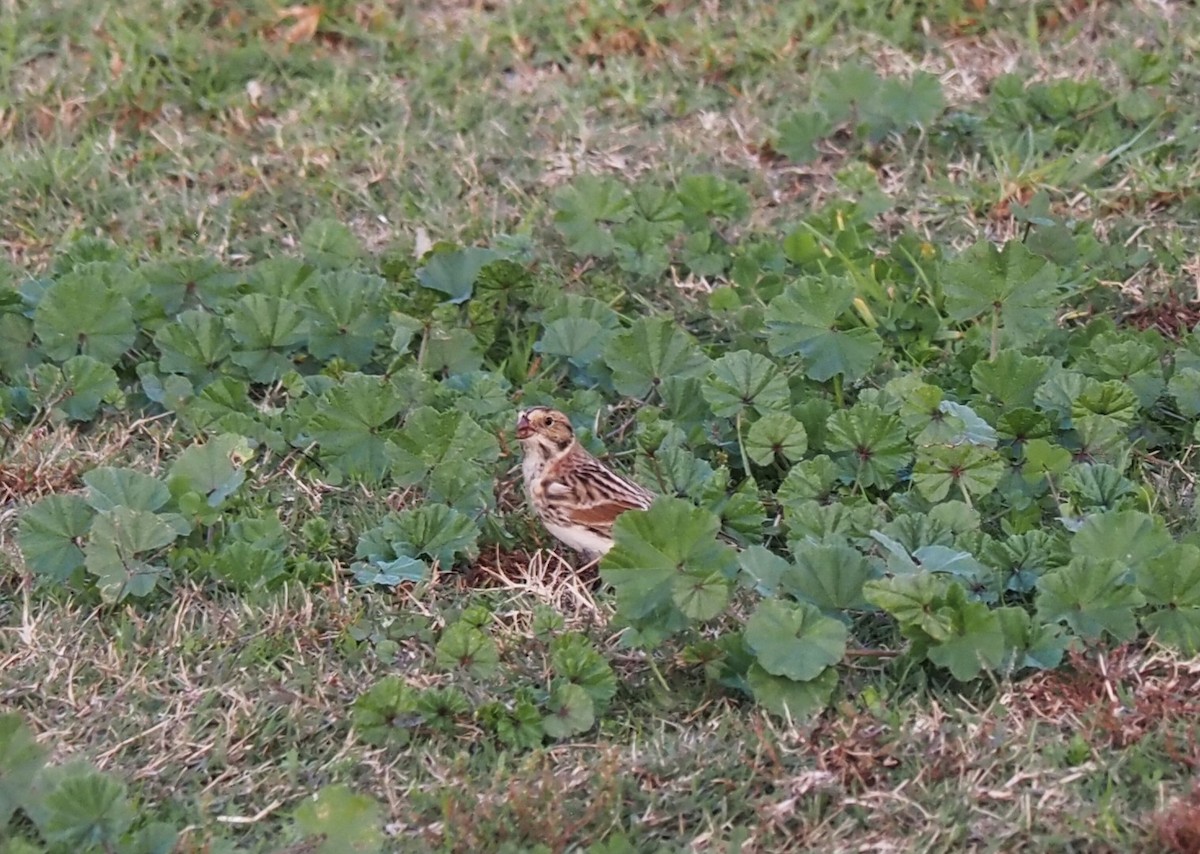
[[580, 539]]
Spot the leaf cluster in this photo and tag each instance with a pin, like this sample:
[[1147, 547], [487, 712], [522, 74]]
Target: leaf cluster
[[553, 685]]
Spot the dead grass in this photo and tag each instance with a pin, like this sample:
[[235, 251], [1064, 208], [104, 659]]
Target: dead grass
[[1179, 824], [243, 708], [1115, 698], [229, 709]]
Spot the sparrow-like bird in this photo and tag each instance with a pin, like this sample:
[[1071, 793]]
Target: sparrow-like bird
[[576, 496]]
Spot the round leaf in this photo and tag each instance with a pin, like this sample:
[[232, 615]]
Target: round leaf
[[745, 380], [79, 314], [49, 534], [571, 711], [776, 434], [788, 698], [796, 641]]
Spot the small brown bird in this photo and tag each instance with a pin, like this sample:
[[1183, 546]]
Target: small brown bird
[[576, 496]]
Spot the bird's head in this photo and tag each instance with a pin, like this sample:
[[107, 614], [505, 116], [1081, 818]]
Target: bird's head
[[543, 427]]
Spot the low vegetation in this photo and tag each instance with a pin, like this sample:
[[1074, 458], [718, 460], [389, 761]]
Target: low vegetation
[[894, 311]]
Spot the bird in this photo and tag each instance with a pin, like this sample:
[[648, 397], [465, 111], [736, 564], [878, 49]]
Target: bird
[[575, 495]]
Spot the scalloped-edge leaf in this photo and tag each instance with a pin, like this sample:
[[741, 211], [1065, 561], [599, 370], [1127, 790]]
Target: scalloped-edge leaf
[[796, 641], [50, 533], [788, 698]]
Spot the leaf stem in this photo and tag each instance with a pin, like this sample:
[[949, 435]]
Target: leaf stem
[[995, 349], [657, 673], [742, 445]]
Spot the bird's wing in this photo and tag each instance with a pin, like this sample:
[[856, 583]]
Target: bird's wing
[[591, 495]]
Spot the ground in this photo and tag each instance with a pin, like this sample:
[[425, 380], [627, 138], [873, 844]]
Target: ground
[[224, 129]]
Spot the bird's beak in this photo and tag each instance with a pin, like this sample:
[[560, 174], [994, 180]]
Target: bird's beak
[[524, 428]]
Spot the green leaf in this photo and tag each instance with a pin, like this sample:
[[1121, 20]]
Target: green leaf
[[675, 468], [390, 571], [902, 104], [830, 576], [117, 538], [741, 510], [17, 350], [1127, 536], [575, 659], [1011, 378], [743, 380], [796, 641], [1092, 596], [449, 452], [184, 283], [466, 647], [436, 531], [1171, 582], [1185, 388], [330, 243], [703, 197], [976, 640], [915, 601], [701, 597], [343, 820], [805, 319], [1022, 287], [658, 207], [387, 712], [1112, 400], [808, 480], [640, 248], [78, 389], [197, 344], [267, 330], [820, 522], [50, 534], [1098, 486], [1172, 577], [871, 444], [1042, 459], [970, 428], [799, 134], [156, 837], [571, 711], [80, 314], [443, 709], [451, 351], [761, 569], [580, 340], [665, 559], [775, 435], [108, 488], [973, 470], [651, 350], [223, 406], [352, 425], [455, 272], [1175, 627], [247, 566], [1023, 558], [788, 698], [344, 317], [212, 469], [87, 809], [20, 760], [584, 209], [517, 724]]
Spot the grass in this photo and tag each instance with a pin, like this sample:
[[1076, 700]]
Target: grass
[[224, 129]]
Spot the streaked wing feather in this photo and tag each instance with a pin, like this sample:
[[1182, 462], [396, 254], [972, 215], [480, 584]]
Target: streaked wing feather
[[579, 498], [602, 514]]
